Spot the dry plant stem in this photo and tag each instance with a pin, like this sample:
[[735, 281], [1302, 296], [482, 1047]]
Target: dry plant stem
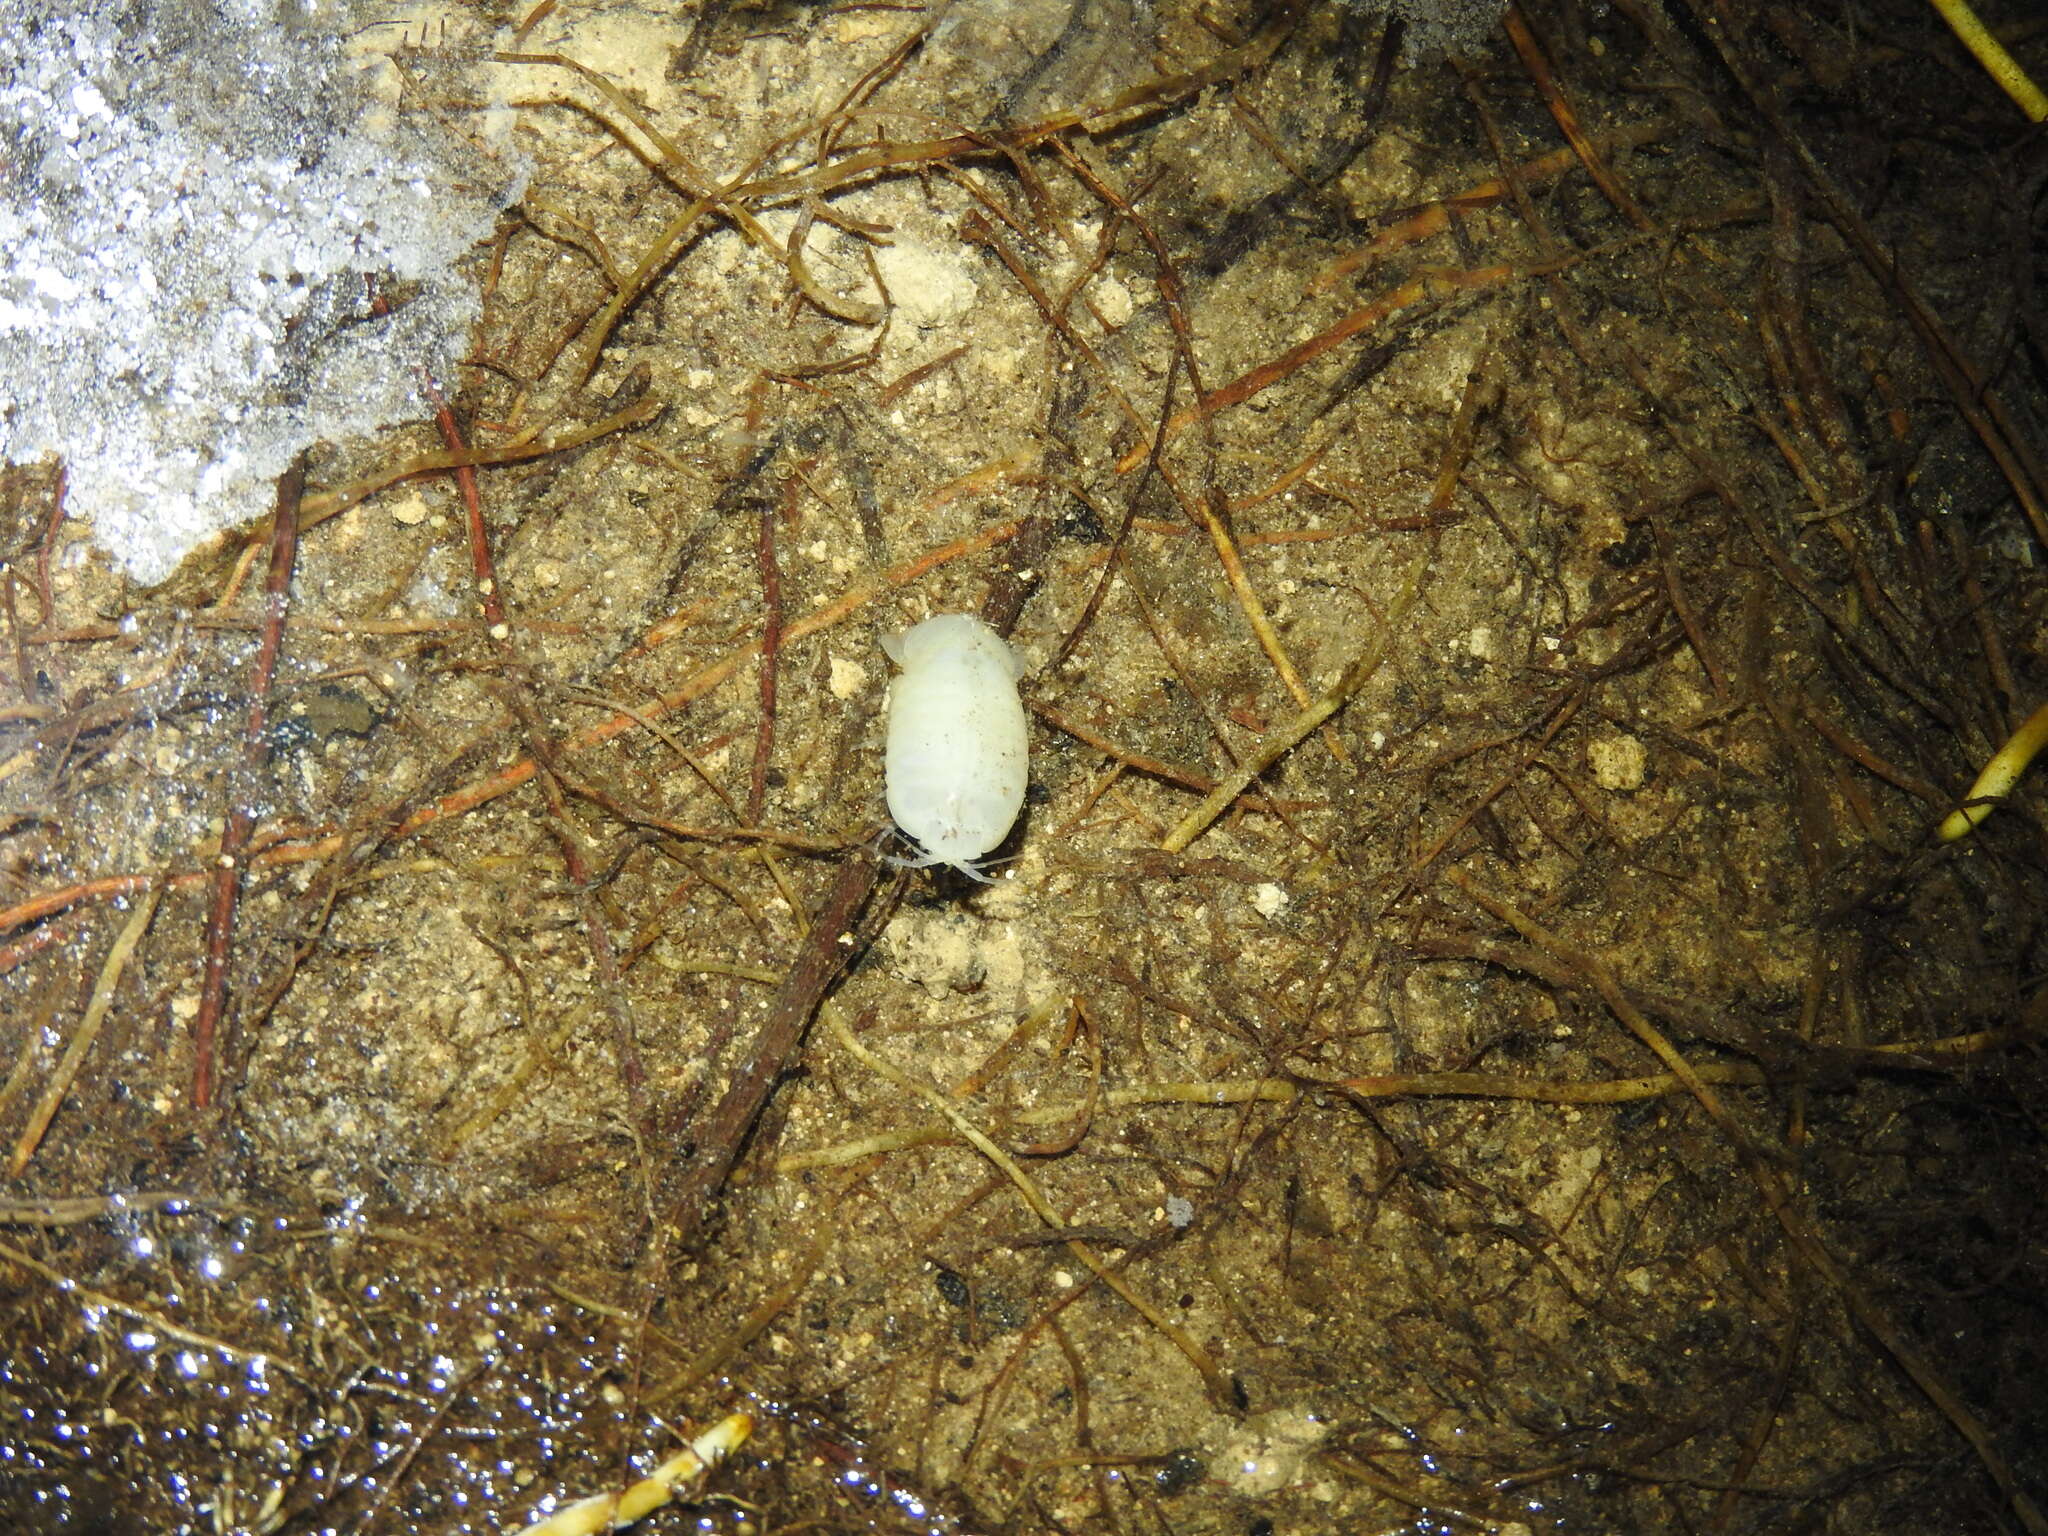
[[241, 818], [1989, 52], [680, 172], [35, 943], [1716, 478], [1125, 524], [731, 200], [1979, 608], [604, 959], [1785, 326], [1154, 767], [79, 1209], [715, 1357], [24, 674], [1481, 393], [1095, 119], [1255, 614], [1197, 508], [1770, 1184], [513, 1090], [317, 509], [1084, 1436], [1283, 739], [828, 948], [392, 1477], [1924, 1055], [77, 1295], [1434, 218], [482, 571], [48, 547], [1864, 757], [1417, 290], [1533, 60], [998, 1060], [604, 1512], [1760, 1432], [702, 681], [1203, 506], [27, 1030], [1973, 397], [1610, 992], [503, 782], [87, 1032], [1436, 1509], [1681, 605], [1999, 776], [1560, 713], [1034, 1197]]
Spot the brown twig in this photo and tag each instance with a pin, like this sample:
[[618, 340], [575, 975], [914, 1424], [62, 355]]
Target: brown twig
[[546, 753], [82, 1040], [504, 781], [1538, 65], [1681, 606], [1866, 758], [1282, 739], [1780, 1198], [48, 546], [333, 503], [1155, 767], [1404, 227], [241, 819], [1407, 295], [1557, 714], [1949, 1053], [1973, 397], [160, 1323], [489, 600], [24, 674], [832, 944]]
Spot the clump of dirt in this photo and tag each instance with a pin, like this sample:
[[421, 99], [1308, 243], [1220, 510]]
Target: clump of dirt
[[1515, 554]]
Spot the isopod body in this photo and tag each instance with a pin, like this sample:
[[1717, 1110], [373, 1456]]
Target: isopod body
[[956, 760]]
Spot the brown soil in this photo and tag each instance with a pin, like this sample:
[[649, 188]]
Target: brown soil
[[1571, 1088]]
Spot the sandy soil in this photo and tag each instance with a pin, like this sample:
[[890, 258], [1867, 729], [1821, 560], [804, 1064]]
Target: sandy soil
[[1558, 1082]]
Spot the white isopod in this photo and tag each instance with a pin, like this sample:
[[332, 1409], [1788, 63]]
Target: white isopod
[[955, 764]]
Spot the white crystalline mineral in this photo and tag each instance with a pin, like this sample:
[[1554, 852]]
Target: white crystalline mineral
[[198, 204]]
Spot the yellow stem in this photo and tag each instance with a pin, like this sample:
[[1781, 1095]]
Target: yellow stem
[[1999, 776], [1998, 64]]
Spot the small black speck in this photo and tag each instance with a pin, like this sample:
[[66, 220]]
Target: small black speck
[[1077, 521], [1639, 1116], [1633, 548], [1259, 1527], [291, 734], [1183, 1469], [952, 1287], [1001, 1311]]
